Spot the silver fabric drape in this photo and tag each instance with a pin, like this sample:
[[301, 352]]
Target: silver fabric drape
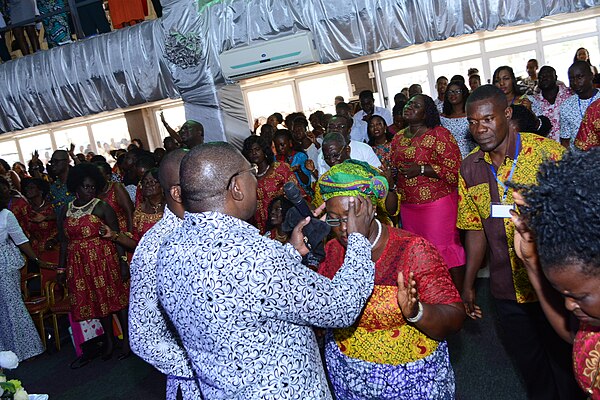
[[178, 55]]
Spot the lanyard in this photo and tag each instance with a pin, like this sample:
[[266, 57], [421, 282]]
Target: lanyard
[[512, 170], [582, 112]]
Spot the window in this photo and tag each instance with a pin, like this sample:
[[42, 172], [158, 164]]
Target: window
[[404, 62], [396, 83], [8, 152], [110, 135], [448, 53], [175, 117], [560, 55], [566, 30], [42, 143], [459, 68], [517, 61], [78, 136], [319, 93], [509, 41], [264, 102]]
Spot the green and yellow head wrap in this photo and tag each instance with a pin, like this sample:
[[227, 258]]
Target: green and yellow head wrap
[[354, 178]]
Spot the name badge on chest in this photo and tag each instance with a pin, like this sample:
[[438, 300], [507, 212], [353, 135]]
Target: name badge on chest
[[500, 210]]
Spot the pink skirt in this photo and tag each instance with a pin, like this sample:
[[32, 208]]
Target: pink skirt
[[436, 222]]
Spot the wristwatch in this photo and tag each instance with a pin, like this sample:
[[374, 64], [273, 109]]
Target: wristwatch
[[422, 170]]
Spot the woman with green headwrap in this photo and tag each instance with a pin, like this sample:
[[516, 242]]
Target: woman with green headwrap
[[396, 349]]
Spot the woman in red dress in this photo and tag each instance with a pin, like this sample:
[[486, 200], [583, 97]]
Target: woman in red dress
[[272, 175], [96, 268], [151, 209]]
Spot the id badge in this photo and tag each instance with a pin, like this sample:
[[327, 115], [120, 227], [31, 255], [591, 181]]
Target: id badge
[[500, 210]]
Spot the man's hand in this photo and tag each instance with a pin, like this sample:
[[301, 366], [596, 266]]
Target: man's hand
[[472, 309], [297, 237], [360, 215]]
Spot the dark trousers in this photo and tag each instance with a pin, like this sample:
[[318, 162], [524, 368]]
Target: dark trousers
[[543, 359], [93, 19], [4, 53], [157, 8]]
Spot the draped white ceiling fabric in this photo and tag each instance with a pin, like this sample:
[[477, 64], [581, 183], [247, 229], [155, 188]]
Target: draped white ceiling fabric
[[177, 55]]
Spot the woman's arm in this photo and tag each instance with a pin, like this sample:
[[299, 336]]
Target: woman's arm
[[62, 238], [108, 215]]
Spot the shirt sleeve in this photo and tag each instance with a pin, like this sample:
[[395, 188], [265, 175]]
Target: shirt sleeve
[[446, 156], [14, 229], [149, 334], [468, 214], [296, 294]]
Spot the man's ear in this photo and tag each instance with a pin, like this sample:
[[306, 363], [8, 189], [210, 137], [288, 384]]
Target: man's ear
[[236, 191], [175, 192], [508, 112]]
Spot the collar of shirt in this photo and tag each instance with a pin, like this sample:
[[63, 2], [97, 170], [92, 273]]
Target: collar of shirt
[[216, 220], [510, 151]]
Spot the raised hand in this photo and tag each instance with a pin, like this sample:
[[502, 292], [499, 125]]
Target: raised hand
[[408, 298], [360, 215], [524, 242]]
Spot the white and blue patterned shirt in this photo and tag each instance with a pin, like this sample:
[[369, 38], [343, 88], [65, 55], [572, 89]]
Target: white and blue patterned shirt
[[571, 115], [151, 336], [244, 307]]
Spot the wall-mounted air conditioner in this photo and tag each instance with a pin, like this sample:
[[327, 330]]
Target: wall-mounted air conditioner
[[267, 56]]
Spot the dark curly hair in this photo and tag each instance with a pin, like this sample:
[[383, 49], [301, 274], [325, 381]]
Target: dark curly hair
[[447, 108], [41, 184], [264, 145], [432, 115], [510, 71], [85, 170], [563, 210], [388, 135]]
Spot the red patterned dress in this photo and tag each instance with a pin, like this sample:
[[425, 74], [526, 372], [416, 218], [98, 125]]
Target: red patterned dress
[[381, 345], [142, 222], [40, 234], [586, 359], [110, 196], [93, 269], [269, 187]]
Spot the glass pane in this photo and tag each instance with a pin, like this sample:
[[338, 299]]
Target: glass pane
[[78, 136], [403, 62], [319, 93], [8, 152], [42, 143], [264, 102], [560, 55], [566, 30], [517, 61], [451, 52], [459, 68], [110, 135], [175, 117], [508, 41], [396, 83]]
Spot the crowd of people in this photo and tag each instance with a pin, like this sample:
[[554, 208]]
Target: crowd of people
[[197, 250], [59, 27]]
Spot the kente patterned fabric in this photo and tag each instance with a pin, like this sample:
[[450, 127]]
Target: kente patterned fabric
[[244, 306], [354, 178], [437, 148], [589, 130], [586, 359], [381, 356], [93, 270], [477, 189]]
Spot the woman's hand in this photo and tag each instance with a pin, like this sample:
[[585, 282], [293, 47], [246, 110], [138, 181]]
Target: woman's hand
[[524, 241], [408, 298], [310, 165], [106, 233], [51, 243], [410, 170], [37, 218]]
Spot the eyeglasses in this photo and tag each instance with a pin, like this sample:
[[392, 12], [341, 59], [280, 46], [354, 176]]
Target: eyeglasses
[[335, 221], [457, 91], [253, 169], [334, 156]]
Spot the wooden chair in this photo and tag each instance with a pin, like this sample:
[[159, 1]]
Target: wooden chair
[[60, 304], [38, 306]]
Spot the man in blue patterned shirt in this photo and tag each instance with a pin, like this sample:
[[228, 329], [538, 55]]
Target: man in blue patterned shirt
[[244, 305], [150, 335]]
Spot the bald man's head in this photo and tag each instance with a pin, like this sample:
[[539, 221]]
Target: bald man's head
[[168, 171], [204, 174]]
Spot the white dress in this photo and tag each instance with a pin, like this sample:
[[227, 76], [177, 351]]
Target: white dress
[[17, 331]]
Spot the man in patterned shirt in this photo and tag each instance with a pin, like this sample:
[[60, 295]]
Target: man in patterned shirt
[[484, 200], [589, 132], [243, 305], [59, 169], [151, 337], [573, 109], [551, 96]]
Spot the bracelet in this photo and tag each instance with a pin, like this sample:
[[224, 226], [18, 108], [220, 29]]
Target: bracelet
[[123, 258], [417, 317], [422, 170], [114, 236]]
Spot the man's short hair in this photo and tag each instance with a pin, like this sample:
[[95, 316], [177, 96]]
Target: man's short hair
[[365, 94]]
